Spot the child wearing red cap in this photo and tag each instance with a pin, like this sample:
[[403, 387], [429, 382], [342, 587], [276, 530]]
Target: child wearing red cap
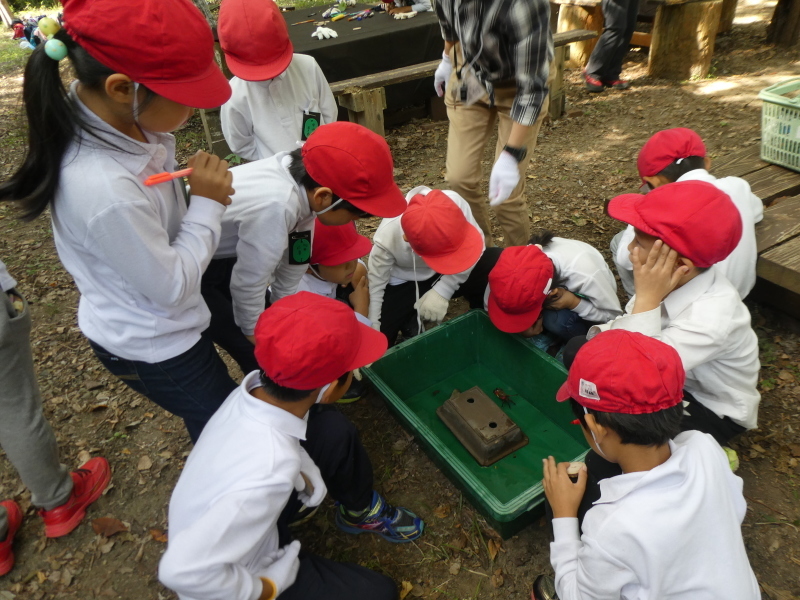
[[669, 524], [258, 461], [336, 271], [342, 173], [682, 230], [680, 155], [136, 252], [419, 261], [278, 97]]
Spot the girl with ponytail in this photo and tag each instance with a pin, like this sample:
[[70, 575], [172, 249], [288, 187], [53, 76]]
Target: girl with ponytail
[[136, 252]]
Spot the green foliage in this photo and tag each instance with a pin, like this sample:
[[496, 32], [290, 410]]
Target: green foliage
[[33, 5]]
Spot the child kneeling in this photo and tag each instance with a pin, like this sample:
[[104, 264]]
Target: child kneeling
[[230, 510], [669, 525]]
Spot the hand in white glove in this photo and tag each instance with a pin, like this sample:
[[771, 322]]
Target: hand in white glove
[[404, 15], [309, 485], [432, 306], [283, 570], [504, 178], [324, 33], [442, 74]]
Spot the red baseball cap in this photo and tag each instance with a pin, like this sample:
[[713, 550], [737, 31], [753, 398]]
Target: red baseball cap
[[439, 232], [667, 146], [518, 286], [620, 371], [357, 165], [166, 45], [305, 341], [337, 244], [695, 218], [255, 39]]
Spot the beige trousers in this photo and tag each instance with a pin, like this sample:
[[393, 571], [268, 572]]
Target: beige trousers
[[470, 129]]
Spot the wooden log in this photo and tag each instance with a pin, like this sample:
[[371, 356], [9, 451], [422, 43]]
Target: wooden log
[[365, 107], [781, 265], [641, 39], [727, 15], [558, 95], [580, 17], [683, 40], [784, 28], [781, 222]]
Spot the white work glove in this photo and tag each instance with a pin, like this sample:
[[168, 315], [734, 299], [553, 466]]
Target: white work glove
[[351, 2], [283, 570], [405, 15], [432, 306], [504, 178], [309, 485], [442, 74], [324, 33]]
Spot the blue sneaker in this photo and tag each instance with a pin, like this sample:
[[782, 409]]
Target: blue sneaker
[[394, 524]]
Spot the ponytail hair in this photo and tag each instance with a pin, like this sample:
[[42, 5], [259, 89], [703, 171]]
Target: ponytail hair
[[53, 123]]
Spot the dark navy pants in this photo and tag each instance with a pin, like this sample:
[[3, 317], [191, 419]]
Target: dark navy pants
[[619, 18]]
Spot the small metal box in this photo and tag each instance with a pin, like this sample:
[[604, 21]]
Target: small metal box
[[481, 426]]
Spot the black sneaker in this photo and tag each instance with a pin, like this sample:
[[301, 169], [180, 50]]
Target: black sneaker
[[355, 392], [544, 588], [303, 516]]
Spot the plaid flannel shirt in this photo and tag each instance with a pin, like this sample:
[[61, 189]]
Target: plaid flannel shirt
[[507, 40]]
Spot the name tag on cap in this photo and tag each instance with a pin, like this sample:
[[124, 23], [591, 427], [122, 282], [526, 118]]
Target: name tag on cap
[[299, 247]]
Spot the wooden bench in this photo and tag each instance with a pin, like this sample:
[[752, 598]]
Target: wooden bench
[[778, 234], [681, 43], [365, 97]]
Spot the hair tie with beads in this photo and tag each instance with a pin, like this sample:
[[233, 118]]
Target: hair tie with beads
[[55, 49]]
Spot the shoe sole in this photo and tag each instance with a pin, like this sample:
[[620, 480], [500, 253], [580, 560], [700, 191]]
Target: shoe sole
[[62, 529], [8, 563], [357, 531], [305, 519], [348, 400]]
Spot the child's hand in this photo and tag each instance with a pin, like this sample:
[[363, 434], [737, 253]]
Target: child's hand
[[359, 297], [559, 298], [210, 178], [656, 277], [563, 495]]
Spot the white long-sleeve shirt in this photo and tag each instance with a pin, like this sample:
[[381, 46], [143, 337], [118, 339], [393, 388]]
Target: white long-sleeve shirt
[[709, 326], [740, 266], [137, 253], [582, 270], [269, 206], [7, 282], [392, 261], [671, 533], [263, 118], [223, 533]]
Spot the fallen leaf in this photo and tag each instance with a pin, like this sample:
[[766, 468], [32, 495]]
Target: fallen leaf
[[158, 535], [93, 385], [493, 548], [106, 548], [144, 463], [795, 450], [417, 591], [442, 511], [776, 594], [40, 575], [66, 577], [497, 579], [108, 526], [455, 567], [405, 588], [758, 448], [84, 456], [786, 376]]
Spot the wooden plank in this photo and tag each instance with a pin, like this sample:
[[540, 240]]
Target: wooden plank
[[558, 95], [772, 182], [781, 265], [779, 298], [641, 39], [739, 163], [781, 222], [576, 2], [574, 17]]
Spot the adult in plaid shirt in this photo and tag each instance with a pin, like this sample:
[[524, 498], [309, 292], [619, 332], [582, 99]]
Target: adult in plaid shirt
[[495, 66]]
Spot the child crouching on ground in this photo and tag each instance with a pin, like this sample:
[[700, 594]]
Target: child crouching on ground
[[670, 525], [434, 252], [337, 272], [230, 510]]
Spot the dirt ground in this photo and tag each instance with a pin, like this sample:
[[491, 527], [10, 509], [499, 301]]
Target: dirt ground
[[581, 161]]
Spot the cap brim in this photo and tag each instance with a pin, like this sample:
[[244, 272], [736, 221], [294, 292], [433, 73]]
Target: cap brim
[[387, 204], [208, 91], [362, 247], [371, 346], [460, 259], [508, 322], [261, 72], [623, 208], [563, 392]]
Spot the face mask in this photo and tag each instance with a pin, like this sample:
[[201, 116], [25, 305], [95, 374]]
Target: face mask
[[596, 443], [322, 391], [324, 210]]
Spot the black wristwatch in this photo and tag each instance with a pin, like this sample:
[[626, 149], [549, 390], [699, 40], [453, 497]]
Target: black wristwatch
[[517, 153]]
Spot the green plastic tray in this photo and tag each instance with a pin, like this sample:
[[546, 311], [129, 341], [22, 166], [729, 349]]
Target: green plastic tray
[[417, 376]]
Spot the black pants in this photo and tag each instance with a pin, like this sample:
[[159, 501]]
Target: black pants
[[320, 578], [215, 288], [619, 17], [398, 300]]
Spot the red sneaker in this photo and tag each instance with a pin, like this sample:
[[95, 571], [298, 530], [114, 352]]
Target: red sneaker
[[618, 84], [89, 482], [593, 84], [14, 521]]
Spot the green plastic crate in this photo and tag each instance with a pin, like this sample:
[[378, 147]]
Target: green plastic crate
[[780, 124], [417, 376]]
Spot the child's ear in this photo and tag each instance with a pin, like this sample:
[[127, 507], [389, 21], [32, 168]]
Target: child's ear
[[119, 88], [336, 390], [600, 431], [707, 163], [321, 198], [656, 181]]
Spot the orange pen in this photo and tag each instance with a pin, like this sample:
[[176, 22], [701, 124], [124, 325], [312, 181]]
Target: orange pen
[[166, 176]]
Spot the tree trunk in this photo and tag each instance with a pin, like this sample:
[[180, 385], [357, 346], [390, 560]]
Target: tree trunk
[[784, 28], [683, 40], [727, 16], [5, 13], [580, 17]]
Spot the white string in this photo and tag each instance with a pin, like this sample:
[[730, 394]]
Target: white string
[[416, 291], [135, 102]]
